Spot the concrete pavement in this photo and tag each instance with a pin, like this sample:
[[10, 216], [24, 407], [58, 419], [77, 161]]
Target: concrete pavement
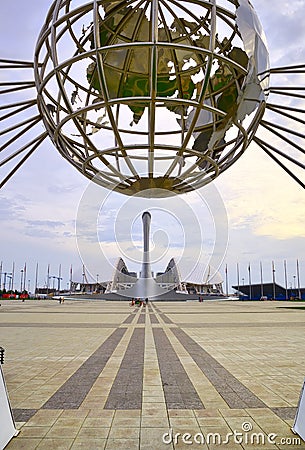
[[104, 375]]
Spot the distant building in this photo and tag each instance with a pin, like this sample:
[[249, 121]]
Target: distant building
[[268, 290]]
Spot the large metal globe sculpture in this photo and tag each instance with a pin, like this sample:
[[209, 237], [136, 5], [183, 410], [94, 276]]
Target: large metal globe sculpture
[[151, 93]]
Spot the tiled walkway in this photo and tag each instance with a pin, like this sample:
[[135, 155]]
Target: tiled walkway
[[103, 375]]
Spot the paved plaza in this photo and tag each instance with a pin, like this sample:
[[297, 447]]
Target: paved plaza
[[104, 375]]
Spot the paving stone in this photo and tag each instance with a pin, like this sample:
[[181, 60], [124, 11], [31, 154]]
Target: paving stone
[[89, 444], [232, 390], [242, 360], [76, 388], [126, 391], [55, 444], [173, 375], [20, 443], [23, 415]]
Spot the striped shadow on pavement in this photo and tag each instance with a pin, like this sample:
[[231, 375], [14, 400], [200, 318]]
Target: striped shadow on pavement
[[73, 392], [178, 389], [234, 393], [126, 391]]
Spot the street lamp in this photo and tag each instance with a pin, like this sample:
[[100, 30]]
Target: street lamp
[[97, 275], [294, 285]]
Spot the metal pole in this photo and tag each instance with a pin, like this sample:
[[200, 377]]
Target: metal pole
[[48, 278], [21, 279], [10, 282], [237, 268], [226, 271], [298, 275], [273, 279], [71, 275], [36, 279], [24, 276], [250, 285], [59, 277], [285, 275], [13, 275], [262, 282]]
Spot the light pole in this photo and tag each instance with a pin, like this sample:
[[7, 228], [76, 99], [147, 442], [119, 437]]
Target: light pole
[[21, 279], [273, 280], [10, 276]]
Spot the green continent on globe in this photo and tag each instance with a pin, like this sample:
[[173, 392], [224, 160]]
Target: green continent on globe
[[126, 70]]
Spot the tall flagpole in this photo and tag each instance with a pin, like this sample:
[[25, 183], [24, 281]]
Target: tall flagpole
[[262, 282], [1, 265], [13, 275], [237, 268], [250, 286], [226, 272], [285, 275], [59, 277], [24, 277], [273, 279], [298, 277], [71, 275], [21, 280], [48, 278], [36, 279]]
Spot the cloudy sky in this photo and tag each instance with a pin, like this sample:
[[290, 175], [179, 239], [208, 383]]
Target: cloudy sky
[[44, 204]]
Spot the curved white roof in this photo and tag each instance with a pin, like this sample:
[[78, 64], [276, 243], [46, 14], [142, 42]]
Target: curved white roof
[[200, 274]]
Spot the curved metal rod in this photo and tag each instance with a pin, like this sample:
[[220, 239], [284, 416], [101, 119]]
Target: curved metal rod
[[202, 93], [103, 84], [88, 54]]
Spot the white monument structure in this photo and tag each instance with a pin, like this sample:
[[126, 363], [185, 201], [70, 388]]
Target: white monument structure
[[145, 286]]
